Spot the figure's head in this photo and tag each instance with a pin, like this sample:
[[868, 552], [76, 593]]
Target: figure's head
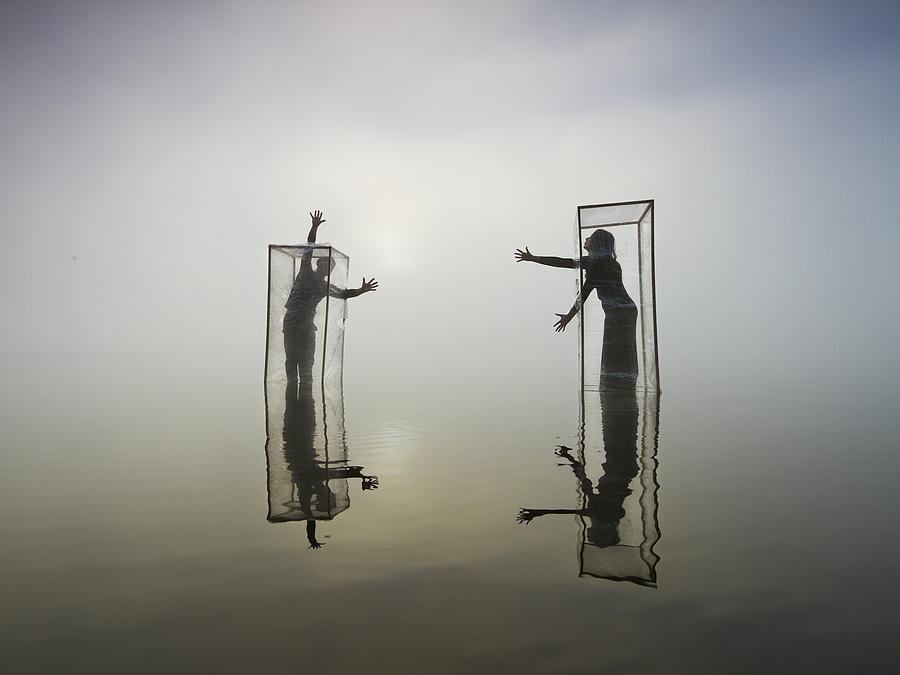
[[323, 268], [601, 243]]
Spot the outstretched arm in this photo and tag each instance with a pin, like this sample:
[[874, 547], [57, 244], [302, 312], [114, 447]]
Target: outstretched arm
[[550, 261], [370, 285], [317, 220], [306, 259], [564, 319]]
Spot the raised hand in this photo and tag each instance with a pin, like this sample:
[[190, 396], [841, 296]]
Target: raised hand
[[317, 218], [525, 255], [370, 285], [525, 516]]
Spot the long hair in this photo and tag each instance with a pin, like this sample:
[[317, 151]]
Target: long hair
[[604, 243]]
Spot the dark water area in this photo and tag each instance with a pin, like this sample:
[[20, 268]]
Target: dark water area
[[134, 531]]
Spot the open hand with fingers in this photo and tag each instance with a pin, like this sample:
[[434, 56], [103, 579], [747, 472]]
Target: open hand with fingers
[[317, 220], [526, 255], [563, 321]]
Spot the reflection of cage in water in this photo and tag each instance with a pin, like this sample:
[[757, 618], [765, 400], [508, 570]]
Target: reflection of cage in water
[[311, 279], [619, 508], [617, 336], [306, 452]]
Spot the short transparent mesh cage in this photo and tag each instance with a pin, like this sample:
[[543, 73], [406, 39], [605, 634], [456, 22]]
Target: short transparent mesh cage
[[619, 514], [617, 336], [310, 279]]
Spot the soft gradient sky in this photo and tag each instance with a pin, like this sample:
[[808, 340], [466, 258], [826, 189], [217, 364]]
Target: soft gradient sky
[[152, 150]]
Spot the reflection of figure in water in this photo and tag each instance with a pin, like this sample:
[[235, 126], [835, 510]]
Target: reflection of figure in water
[[313, 499], [309, 289], [602, 272], [603, 505]]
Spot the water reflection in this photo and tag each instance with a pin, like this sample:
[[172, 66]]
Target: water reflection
[[308, 465], [615, 468]]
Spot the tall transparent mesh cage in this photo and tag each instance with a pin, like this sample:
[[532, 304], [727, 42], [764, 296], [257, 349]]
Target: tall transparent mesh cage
[[619, 524], [617, 335], [306, 442]]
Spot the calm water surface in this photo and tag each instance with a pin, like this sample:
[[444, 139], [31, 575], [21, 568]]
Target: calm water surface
[[135, 538]]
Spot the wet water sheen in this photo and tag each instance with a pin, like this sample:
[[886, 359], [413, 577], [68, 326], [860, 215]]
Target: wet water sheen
[[134, 531]]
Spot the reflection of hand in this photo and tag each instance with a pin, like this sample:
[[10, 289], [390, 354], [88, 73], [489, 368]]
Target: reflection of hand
[[317, 218], [565, 453], [370, 285], [525, 255], [525, 516], [562, 322]]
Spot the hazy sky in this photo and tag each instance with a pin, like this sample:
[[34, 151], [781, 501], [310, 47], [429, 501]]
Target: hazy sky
[[151, 151]]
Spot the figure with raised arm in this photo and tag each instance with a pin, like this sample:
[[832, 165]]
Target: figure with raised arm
[[310, 287], [602, 272]]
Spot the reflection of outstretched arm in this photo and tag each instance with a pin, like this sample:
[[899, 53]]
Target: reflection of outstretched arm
[[577, 468], [550, 261], [368, 482], [527, 515]]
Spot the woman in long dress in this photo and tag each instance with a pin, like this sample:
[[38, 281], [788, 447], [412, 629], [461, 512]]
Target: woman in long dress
[[602, 272]]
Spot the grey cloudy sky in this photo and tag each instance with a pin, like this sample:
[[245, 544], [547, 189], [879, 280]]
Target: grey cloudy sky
[[151, 151]]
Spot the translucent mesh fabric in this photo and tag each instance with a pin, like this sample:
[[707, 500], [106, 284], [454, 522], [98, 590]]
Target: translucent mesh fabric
[[306, 313], [617, 333], [619, 510], [306, 452]]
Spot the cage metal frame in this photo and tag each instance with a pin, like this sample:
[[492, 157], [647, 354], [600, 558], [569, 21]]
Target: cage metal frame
[[651, 209]]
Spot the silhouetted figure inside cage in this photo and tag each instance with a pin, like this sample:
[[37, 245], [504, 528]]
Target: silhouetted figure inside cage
[[603, 274], [311, 285]]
